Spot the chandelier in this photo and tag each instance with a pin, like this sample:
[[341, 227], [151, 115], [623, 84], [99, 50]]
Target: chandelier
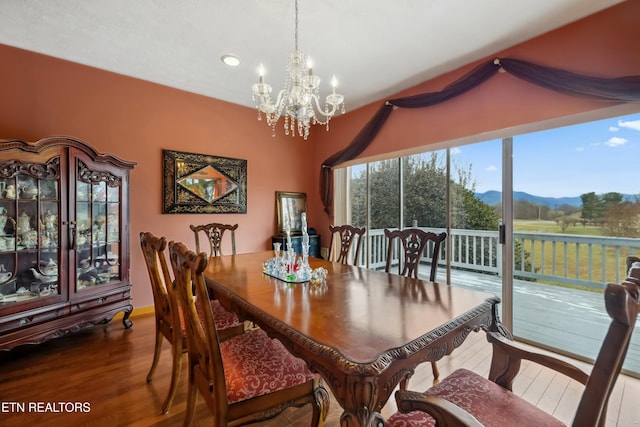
[[298, 102]]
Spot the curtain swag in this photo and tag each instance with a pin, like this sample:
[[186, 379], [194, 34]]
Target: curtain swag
[[619, 89]]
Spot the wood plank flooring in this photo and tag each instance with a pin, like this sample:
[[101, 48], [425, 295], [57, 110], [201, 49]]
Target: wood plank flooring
[[97, 377]]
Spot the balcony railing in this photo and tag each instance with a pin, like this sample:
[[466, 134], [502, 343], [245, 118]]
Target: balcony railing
[[588, 261]]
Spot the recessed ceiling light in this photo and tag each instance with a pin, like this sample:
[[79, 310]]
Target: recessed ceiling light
[[231, 60]]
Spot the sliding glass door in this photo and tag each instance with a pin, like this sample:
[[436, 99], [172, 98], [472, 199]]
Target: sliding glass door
[[576, 218], [475, 215], [570, 217]]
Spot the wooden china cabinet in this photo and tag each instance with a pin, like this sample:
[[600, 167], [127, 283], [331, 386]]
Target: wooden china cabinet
[[64, 239]]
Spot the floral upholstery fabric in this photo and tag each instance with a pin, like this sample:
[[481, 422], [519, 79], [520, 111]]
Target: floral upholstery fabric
[[223, 318], [491, 404], [255, 365]]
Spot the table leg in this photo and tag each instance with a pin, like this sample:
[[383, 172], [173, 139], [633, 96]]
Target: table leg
[[363, 418], [361, 394]]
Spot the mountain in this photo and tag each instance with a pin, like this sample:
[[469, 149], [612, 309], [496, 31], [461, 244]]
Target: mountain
[[493, 197]]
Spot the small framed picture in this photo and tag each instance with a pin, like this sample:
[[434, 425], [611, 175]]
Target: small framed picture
[[290, 207]]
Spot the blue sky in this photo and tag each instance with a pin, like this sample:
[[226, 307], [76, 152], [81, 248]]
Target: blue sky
[[600, 156]]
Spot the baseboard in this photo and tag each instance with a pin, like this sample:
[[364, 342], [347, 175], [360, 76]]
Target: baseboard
[[137, 312]]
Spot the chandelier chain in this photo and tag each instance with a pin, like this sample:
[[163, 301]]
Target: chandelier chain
[[296, 35]]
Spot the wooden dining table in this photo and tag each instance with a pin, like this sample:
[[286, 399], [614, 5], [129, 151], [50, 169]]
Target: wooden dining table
[[362, 330]]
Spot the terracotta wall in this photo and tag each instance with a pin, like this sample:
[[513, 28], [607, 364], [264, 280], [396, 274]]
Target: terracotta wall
[[604, 44], [135, 120]]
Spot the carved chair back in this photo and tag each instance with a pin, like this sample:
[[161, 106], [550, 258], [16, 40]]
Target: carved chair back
[[623, 305], [165, 308], [169, 318], [214, 233], [413, 242], [349, 236], [204, 357], [250, 390]]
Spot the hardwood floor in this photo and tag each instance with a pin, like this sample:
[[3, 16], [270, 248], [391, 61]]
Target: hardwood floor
[[97, 377]]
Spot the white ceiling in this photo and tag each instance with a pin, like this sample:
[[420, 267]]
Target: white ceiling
[[374, 47]]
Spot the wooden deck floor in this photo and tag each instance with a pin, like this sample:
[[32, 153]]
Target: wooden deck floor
[[556, 317], [104, 370]]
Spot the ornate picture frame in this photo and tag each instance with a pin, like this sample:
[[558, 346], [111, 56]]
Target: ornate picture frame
[[202, 183], [290, 205]]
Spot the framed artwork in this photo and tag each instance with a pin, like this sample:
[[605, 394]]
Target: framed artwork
[[202, 183], [290, 207]]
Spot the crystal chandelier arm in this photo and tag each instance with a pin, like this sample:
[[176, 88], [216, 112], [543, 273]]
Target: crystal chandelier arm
[[279, 105], [322, 115], [273, 111], [332, 104]]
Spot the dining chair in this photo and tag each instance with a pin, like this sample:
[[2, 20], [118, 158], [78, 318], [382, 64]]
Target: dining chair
[[349, 236], [169, 319], [214, 233], [631, 260], [466, 398], [413, 242], [245, 379]]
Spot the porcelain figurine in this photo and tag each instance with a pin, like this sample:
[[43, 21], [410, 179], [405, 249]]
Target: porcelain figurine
[[10, 192], [43, 277], [51, 269], [24, 223], [50, 221], [4, 275], [29, 192], [3, 218]]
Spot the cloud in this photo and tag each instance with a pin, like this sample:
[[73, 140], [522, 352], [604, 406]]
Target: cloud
[[615, 141], [630, 124], [613, 129], [491, 168], [579, 148], [455, 150]]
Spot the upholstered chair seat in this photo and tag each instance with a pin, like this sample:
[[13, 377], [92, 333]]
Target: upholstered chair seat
[[276, 369], [224, 320], [491, 404]]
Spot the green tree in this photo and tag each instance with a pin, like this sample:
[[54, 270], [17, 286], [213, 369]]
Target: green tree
[[609, 201], [358, 187], [424, 180], [623, 220], [384, 200], [594, 207], [590, 208]]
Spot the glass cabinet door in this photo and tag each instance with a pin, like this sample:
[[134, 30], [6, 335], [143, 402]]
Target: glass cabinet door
[[29, 241], [98, 235]]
